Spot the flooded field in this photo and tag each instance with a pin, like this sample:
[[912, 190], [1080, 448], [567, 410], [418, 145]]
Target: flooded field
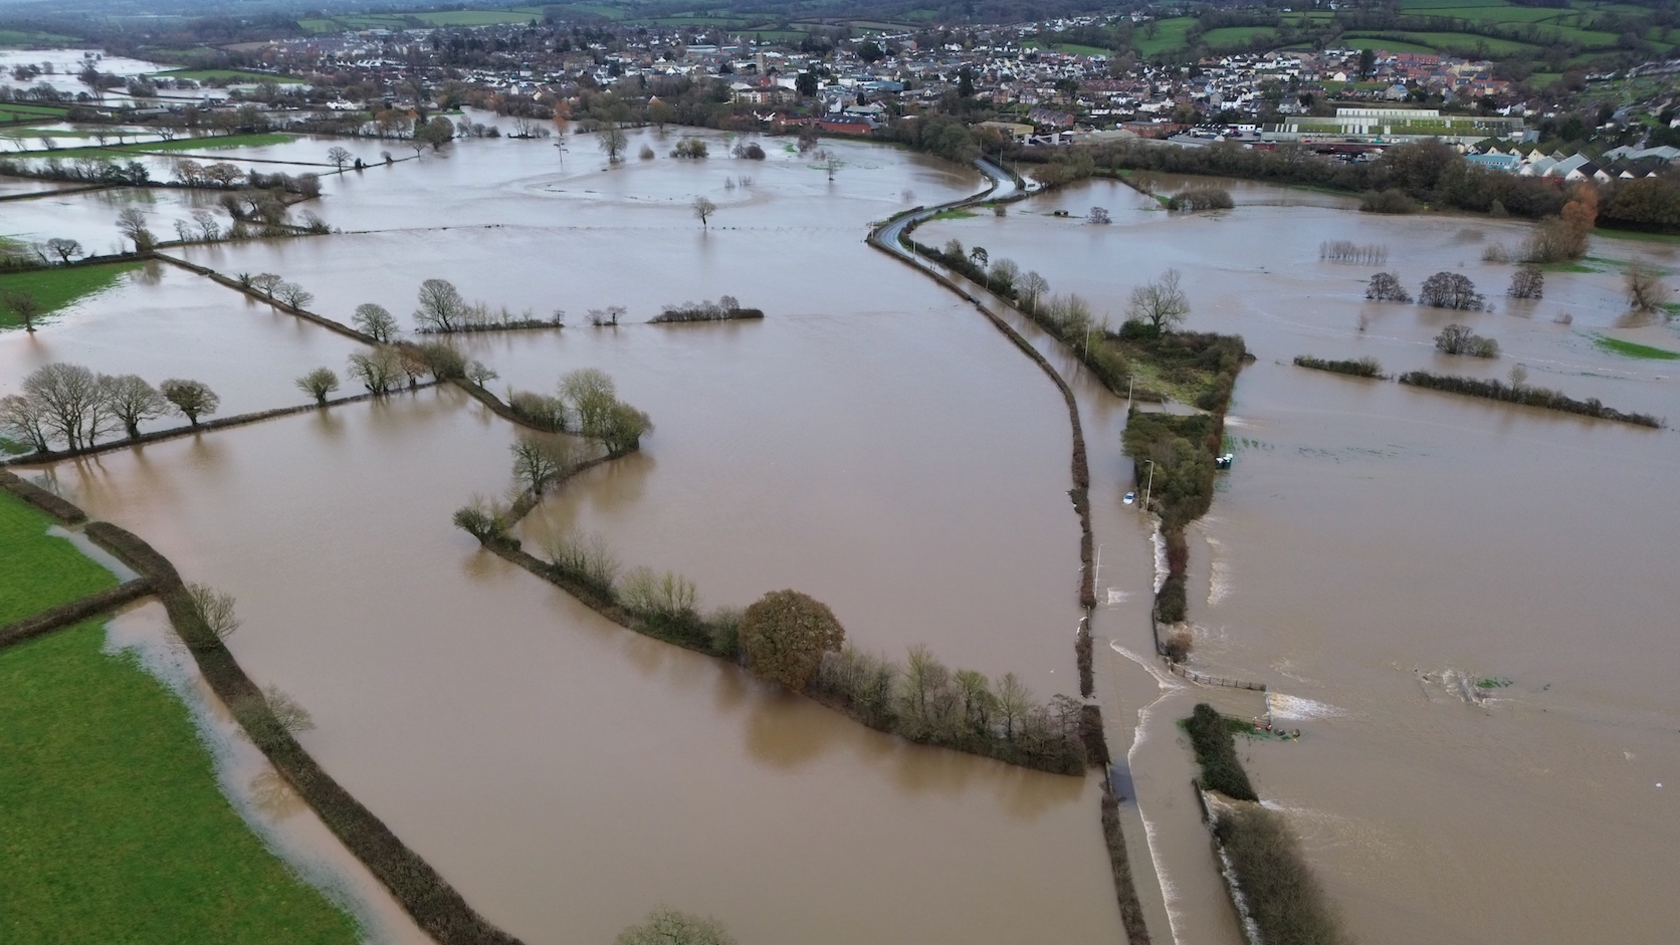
[[161, 321], [565, 774], [1458, 601], [871, 442]]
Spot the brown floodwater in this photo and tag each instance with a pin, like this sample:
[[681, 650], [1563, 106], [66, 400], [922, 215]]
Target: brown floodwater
[[566, 774], [872, 442], [161, 321], [1460, 602]]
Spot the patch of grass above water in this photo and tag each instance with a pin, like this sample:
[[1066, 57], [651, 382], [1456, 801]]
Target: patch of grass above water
[[953, 215], [60, 286], [38, 570], [115, 830], [1634, 350]]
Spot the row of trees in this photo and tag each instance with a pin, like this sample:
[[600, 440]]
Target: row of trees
[[585, 403], [69, 404]]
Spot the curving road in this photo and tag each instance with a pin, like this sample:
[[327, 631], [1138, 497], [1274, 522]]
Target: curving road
[[1003, 188]]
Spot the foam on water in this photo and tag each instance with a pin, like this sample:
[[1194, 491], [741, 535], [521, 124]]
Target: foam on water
[[1299, 708]]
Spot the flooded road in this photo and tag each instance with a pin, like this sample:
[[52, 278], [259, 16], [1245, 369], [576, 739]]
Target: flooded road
[[1460, 602]]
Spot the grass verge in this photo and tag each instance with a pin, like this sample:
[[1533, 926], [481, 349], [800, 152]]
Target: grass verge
[[115, 829], [59, 286]]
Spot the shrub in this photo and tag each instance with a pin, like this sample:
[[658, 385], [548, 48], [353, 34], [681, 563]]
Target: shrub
[[1450, 290], [1392, 200], [1216, 752], [724, 625], [485, 520], [539, 410], [584, 558], [1178, 646], [1170, 602], [1347, 251], [1496, 253], [1528, 282], [1283, 896], [689, 148], [1646, 292], [784, 635], [1526, 395], [1459, 339], [1364, 367], [1200, 198], [1386, 287]]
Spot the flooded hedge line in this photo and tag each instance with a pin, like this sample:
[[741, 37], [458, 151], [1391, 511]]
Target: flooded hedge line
[[1542, 397], [435, 905], [1270, 879], [75, 611], [58, 508], [1364, 367], [1283, 897]]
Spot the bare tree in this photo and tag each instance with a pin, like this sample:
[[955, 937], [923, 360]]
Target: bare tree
[[831, 163], [612, 140], [71, 402], [537, 462], [214, 608], [339, 157], [266, 283], [318, 384], [1098, 215], [64, 248], [1646, 292], [1160, 303], [131, 222], [1386, 287], [24, 418], [132, 400], [377, 369], [441, 306], [375, 321], [1528, 282], [1459, 339], [1450, 290], [1033, 286], [703, 209], [1519, 376], [290, 713], [1013, 702], [1003, 275], [293, 294], [479, 374], [192, 399], [24, 306]]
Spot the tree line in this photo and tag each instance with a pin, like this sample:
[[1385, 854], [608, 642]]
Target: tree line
[[69, 405]]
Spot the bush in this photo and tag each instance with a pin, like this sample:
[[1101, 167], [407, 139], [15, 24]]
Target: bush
[[1178, 646], [1364, 367], [1525, 394], [1347, 251], [1200, 198], [690, 148], [584, 558], [538, 410], [1386, 287], [1216, 752], [1283, 896], [1392, 200], [1459, 339], [784, 635], [1450, 290], [1528, 282], [725, 628], [1170, 602]]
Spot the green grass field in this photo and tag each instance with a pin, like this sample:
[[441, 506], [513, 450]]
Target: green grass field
[[207, 143], [1633, 350], [1228, 36], [31, 40], [232, 75], [38, 571], [115, 829], [1169, 34], [60, 286]]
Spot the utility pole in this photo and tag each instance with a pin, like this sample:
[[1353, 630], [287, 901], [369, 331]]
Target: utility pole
[[1150, 485]]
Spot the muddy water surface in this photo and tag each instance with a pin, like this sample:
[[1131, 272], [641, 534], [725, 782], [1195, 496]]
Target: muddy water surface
[[1460, 602], [568, 775]]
